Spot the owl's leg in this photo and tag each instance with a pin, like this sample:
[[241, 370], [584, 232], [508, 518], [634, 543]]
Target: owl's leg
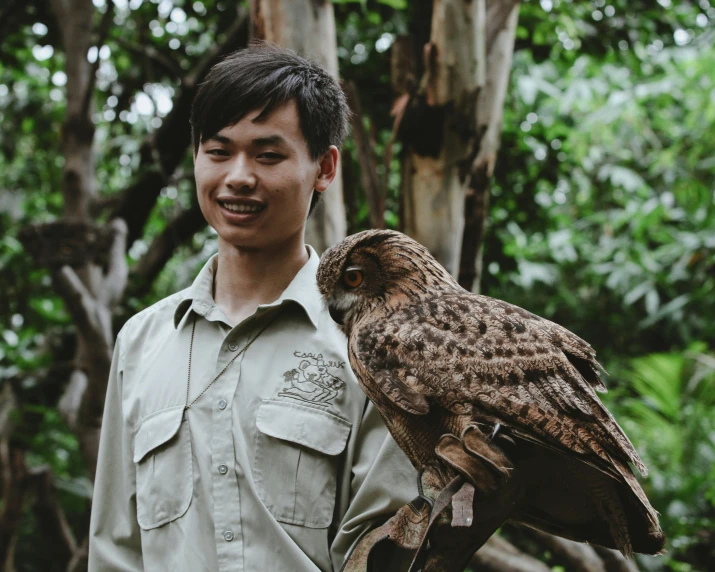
[[475, 457]]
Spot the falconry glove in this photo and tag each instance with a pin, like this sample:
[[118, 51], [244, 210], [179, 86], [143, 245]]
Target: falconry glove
[[438, 530]]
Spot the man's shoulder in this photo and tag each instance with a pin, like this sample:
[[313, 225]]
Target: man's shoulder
[[161, 312]]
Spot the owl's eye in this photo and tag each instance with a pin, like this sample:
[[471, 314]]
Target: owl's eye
[[353, 277]]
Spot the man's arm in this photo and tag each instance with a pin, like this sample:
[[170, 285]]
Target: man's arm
[[114, 535], [383, 480]]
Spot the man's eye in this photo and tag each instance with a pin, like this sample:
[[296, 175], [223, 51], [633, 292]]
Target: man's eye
[[270, 156], [217, 152]]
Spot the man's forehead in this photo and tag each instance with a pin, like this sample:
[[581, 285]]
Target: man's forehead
[[279, 125]]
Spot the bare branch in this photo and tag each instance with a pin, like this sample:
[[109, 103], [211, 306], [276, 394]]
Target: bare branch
[[80, 302], [8, 403], [79, 559], [575, 556], [71, 400], [614, 560], [12, 465], [154, 55], [498, 555], [236, 37], [366, 157], [101, 38], [116, 278], [349, 190], [178, 231], [58, 540]]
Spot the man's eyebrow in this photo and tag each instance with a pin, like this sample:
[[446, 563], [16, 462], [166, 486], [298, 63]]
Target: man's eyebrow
[[269, 140], [219, 139]]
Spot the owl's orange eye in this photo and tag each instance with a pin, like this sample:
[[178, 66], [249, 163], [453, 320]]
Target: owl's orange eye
[[353, 277]]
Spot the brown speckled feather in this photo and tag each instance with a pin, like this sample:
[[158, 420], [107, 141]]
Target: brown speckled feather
[[472, 354], [436, 359]]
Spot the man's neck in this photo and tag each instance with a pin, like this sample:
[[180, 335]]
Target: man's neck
[[244, 278]]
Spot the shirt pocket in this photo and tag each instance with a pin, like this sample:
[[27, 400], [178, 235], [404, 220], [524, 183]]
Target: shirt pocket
[[296, 461], [162, 455]]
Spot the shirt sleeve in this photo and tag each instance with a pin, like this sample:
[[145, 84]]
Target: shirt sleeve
[[383, 480], [114, 535]]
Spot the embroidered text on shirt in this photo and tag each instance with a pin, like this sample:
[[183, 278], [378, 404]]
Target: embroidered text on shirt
[[312, 382]]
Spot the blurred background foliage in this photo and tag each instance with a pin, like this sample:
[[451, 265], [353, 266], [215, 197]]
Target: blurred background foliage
[[602, 213]]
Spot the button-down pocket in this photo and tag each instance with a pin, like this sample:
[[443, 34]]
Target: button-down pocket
[[162, 454], [296, 461]]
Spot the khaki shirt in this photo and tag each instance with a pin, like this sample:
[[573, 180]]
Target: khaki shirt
[[281, 464]]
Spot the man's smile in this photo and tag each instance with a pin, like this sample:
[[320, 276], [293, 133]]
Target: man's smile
[[237, 209]]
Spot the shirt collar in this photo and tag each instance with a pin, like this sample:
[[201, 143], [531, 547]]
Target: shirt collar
[[303, 290]]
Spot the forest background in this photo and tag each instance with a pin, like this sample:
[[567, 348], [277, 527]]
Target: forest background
[[585, 194]]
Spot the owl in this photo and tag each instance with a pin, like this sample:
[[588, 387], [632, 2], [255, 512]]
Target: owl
[[460, 378]]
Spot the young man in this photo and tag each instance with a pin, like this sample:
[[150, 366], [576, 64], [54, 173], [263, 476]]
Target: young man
[[235, 436]]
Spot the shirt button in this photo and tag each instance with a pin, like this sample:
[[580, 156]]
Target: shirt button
[[228, 536], [222, 404], [223, 469], [233, 346]]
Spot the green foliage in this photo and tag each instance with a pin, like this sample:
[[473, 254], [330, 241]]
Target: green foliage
[[603, 199], [666, 404]]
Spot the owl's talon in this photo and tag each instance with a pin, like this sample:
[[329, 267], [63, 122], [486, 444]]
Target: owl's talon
[[495, 431]]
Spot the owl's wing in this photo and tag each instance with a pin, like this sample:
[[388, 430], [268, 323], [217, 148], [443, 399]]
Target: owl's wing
[[474, 354]]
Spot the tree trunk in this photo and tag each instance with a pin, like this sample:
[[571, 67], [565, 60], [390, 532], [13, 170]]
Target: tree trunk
[[439, 128], [451, 126], [502, 18], [308, 27], [88, 293]]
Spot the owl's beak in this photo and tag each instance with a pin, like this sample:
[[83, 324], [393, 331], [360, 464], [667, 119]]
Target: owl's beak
[[336, 315]]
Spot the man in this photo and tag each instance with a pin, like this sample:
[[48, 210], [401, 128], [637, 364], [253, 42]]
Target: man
[[235, 436]]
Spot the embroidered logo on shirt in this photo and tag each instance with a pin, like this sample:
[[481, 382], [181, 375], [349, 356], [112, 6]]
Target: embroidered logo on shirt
[[312, 382]]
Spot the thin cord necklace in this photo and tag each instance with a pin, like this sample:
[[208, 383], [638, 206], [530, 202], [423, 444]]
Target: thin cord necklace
[[191, 351]]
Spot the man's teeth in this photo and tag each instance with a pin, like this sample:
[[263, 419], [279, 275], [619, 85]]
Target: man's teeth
[[242, 208]]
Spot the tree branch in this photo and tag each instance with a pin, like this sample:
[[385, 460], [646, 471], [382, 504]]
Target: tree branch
[[614, 560], [12, 465], [101, 38], [115, 279], [178, 231], [498, 555], [366, 157], [58, 539], [80, 302], [153, 54], [576, 556]]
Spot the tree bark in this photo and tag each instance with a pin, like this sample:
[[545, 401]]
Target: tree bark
[[502, 17], [368, 162], [308, 27], [88, 297], [499, 555], [451, 127], [439, 128]]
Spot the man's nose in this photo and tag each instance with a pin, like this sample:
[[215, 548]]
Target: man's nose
[[241, 174]]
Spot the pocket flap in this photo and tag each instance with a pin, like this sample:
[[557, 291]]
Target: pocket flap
[[313, 428], [156, 429]]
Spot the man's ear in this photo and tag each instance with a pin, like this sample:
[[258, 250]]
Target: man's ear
[[328, 168]]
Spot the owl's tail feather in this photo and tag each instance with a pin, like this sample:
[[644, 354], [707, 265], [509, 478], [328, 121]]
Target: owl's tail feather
[[610, 508]]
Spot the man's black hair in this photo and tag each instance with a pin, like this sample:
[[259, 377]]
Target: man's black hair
[[267, 76]]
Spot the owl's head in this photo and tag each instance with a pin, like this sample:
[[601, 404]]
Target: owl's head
[[377, 268]]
